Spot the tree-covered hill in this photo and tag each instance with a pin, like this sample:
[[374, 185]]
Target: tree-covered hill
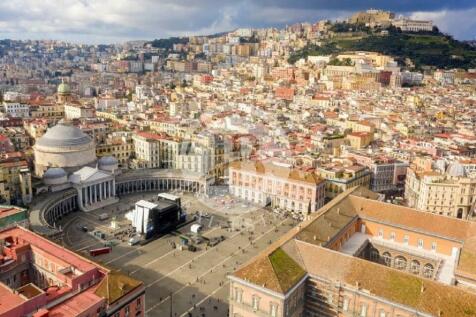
[[423, 49]]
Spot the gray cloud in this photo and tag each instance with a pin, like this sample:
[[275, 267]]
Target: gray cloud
[[118, 20]]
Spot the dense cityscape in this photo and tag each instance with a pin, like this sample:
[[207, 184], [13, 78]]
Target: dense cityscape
[[319, 169]]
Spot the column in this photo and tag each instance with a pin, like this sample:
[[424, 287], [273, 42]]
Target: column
[[81, 196], [101, 194]]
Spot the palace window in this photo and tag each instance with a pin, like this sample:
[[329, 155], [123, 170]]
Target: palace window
[[392, 236], [273, 309], [255, 302], [363, 310], [345, 304], [420, 243]]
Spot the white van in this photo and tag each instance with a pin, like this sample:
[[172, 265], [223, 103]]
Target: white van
[[134, 240], [196, 228]]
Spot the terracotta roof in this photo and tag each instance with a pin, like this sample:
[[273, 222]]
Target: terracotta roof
[[278, 171], [115, 285], [304, 248], [448, 227], [400, 287]]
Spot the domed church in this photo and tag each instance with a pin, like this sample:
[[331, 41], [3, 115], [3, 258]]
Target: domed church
[[63, 93], [64, 146]]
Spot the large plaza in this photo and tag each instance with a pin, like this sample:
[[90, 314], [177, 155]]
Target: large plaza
[[182, 283]]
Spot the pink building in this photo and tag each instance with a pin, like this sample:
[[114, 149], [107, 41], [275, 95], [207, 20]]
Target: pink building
[[277, 185], [40, 278]]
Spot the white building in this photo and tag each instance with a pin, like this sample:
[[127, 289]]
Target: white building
[[78, 111], [16, 110], [408, 25], [194, 159], [147, 150], [96, 188]]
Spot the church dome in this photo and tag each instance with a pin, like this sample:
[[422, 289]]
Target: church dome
[[108, 163], [55, 176], [65, 146], [107, 160], [54, 172], [64, 89], [63, 135]]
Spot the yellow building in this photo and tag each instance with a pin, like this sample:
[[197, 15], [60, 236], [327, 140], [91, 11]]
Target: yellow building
[[360, 126], [340, 178], [118, 145], [359, 140], [15, 181]]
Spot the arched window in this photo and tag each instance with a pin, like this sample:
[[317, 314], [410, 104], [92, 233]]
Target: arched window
[[428, 270], [415, 267], [374, 255], [400, 263], [387, 259]]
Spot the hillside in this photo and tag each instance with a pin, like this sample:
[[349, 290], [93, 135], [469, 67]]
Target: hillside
[[423, 49]]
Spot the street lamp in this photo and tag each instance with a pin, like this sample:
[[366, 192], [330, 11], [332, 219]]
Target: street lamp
[[171, 304]]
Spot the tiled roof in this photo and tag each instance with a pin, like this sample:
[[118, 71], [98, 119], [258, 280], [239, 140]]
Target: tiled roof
[[278, 171], [304, 245], [115, 285], [400, 287]]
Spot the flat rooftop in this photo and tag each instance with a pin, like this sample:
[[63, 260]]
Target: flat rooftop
[[8, 299]]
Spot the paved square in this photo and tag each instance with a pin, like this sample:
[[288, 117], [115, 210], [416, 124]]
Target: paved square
[[183, 283]]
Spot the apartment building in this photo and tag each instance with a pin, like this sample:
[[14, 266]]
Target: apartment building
[[360, 257], [16, 110], [194, 159], [341, 177], [146, 149], [451, 193], [119, 145], [15, 180], [76, 111], [277, 185], [388, 174]]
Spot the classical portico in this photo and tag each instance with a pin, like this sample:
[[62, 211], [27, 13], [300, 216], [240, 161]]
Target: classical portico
[[96, 188]]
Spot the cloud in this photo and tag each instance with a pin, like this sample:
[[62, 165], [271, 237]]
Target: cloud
[[118, 20], [459, 23]]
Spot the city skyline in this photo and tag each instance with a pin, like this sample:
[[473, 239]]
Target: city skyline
[[107, 22]]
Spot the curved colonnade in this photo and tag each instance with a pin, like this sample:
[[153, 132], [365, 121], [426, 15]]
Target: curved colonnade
[[48, 208]]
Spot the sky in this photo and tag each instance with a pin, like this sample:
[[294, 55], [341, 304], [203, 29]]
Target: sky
[[115, 21]]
